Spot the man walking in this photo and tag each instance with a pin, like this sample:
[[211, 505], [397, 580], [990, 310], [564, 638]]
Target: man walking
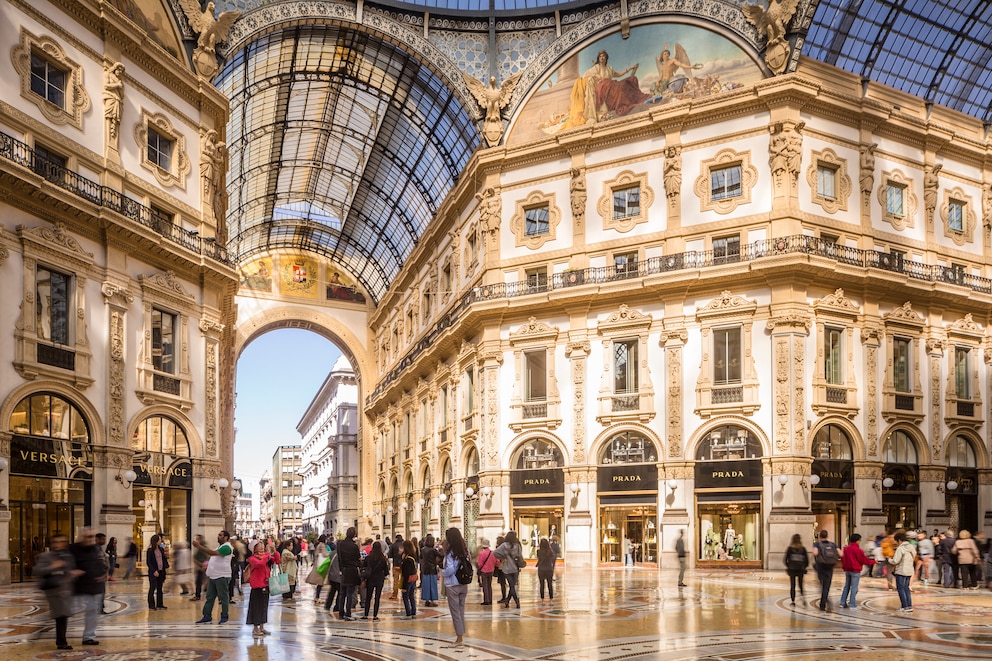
[[91, 583], [948, 561], [218, 577], [825, 556], [853, 560], [680, 552]]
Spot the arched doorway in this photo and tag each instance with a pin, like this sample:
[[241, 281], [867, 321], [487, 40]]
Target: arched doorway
[[961, 487], [901, 481], [833, 495], [51, 476], [627, 488], [162, 494], [537, 492]]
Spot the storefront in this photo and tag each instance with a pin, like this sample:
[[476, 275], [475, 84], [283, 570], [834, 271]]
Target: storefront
[[627, 486], [537, 494], [728, 481], [51, 477], [162, 493], [901, 482], [832, 494], [961, 487]]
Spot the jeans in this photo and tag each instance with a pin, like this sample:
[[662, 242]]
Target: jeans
[[217, 589], [90, 605], [347, 593], [826, 575], [851, 581], [902, 587], [376, 589], [155, 584], [410, 598], [546, 577], [950, 570], [511, 589]]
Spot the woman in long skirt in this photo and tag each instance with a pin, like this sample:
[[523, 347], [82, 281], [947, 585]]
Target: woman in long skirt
[[259, 563]]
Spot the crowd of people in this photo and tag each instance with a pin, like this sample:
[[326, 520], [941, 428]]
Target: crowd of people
[[902, 558]]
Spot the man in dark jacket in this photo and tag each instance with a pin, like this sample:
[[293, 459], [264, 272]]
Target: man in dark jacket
[[948, 561], [396, 556], [91, 583], [350, 560]]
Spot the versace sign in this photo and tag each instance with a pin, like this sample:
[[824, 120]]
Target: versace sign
[[50, 457]]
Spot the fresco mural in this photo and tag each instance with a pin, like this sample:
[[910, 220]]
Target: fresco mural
[[611, 77], [298, 277], [257, 275], [342, 288]]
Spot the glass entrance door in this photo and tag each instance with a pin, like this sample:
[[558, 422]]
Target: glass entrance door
[[634, 523], [32, 525]]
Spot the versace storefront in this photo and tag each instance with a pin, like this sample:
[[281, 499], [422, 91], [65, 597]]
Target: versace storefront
[[728, 486], [627, 486], [162, 493]]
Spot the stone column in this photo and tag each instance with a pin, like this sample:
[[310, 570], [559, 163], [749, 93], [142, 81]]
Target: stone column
[[5, 509], [580, 541]]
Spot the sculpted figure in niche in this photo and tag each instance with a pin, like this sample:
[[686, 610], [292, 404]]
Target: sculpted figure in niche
[[212, 154], [786, 152], [490, 210], [868, 167], [931, 184], [673, 172], [577, 194], [113, 96]]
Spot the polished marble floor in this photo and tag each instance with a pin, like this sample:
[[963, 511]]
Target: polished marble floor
[[612, 613]]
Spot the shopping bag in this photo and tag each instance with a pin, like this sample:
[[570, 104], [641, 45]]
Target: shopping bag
[[324, 567], [278, 582]]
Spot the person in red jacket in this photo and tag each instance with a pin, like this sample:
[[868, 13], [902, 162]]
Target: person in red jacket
[[853, 560]]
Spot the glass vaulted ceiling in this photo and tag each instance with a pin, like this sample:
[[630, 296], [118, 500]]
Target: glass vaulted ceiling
[[340, 144]]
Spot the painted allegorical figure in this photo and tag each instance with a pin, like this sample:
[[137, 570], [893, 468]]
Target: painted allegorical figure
[[598, 95]]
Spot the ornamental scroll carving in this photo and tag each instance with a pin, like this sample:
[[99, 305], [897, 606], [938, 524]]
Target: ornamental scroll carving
[[870, 337], [210, 416], [577, 352], [782, 362], [799, 397], [116, 377], [935, 421], [492, 414], [674, 360]]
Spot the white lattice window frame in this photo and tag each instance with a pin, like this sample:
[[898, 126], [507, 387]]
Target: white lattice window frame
[[965, 333], [179, 167], [77, 101], [835, 311], [727, 310], [624, 325], [903, 323]]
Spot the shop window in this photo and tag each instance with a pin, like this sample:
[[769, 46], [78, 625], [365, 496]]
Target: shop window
[[729, 443], [537, 453], [729, 531], [50, 79], [49, 415], [832, 443], [628, 448], [159, 433], [727, 249], [899, 449]]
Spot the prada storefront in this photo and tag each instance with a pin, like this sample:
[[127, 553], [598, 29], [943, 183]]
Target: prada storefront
[[833, 486], [901, 482], [627, 487], [537, 494], [51, 477], [162, 493], [728, 497]]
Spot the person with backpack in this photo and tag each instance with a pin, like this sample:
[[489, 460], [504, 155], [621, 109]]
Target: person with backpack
[[853, 560], [796, 561], [457, 574], [510, 555], [825, 557]]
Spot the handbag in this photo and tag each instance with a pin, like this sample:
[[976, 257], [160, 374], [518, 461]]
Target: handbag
[[324, 567], [520, 561], [278, 582]]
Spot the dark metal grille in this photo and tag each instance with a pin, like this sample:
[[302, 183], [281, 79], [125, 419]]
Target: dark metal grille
[[966, 409], [537, 410], [837, 395], [56, 357], [905, 402], [165, 384], [728, 395], [626, 402]]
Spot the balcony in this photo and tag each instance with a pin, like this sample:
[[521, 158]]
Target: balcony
[[728, 395], [836, 395], [905, 402], [166, 384], [626, 402], [56, 357], [535, 410]]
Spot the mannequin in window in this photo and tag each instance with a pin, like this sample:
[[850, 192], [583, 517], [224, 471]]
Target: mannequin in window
[[711, 545], [729, 538]]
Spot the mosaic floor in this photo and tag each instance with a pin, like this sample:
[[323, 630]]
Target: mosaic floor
[[613, 613]]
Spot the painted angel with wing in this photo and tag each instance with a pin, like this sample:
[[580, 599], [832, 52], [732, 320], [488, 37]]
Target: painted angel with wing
[[212, 30], [492, 99], [668, 65]]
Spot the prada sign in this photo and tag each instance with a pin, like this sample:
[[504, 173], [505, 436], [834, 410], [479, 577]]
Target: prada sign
[[834, 474], [537, 481], [627, 477], [728, 474], [50, 457]]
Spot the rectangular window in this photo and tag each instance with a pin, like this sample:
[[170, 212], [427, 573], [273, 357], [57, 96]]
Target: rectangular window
[[833, 356], [473, 248], [49, 164], [163, 341], [469, 390], [537, 279], [625, 264], [160, 149], [894, 200], [962, 372], [48, 81], [537, 221], [408, 430], [626, 202], [535, 375], [725, 183], [826, 181], [901, 364], [726, 356], [955, 216], [52, 305], [423, 418], [446, 279], [625, 366], [727, 249], [443, 404]]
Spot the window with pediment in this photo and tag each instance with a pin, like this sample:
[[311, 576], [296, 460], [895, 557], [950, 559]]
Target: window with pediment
[[535, 402], [828, 181], [50, 79], [727, 381], [959, 217], [725, 181], [50, 338], [535, 221], [963, 403], [902, 390], [834, 378], [899, 203], [162, 149], [163, 365], [627, 394]]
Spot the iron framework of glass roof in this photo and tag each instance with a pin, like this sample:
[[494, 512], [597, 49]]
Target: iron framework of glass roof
[[938, 50], [341, 144]]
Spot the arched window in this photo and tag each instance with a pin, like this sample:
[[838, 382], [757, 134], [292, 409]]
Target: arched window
[[961, 453], [472, 463], [445, 471], [832, 442], [425, 483], [158, 433], [537, 453], [50, 416], [729, 443], [899, 449], [628, 448]]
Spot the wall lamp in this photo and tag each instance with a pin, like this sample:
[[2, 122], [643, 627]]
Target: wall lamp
[[886, 484], [3, 464], [783, 479], [673, 484], [219, 484], [126, 478], [951, 486], [421, 502], [404, 505], [469, 492], [389, 509], [574, 488], [814, 479], [443, 497]]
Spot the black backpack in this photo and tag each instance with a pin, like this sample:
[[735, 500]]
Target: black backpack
[[828, 554], [464, 571]]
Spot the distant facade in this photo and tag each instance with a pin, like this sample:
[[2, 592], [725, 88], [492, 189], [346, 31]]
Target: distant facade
[[287, 490], [329, 429], [245, 525]]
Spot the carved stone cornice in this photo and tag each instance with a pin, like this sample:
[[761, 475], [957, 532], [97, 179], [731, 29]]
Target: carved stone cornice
[[4, 253], [871, 335], [789, 323], [674, 337], [904, 315], [534, 331], [57, 240], [837, 303], [116, 293], [865, 470], [967, 327], [727, 304], [211, 327], [624, 318], [168, 286], [578, 349], [935, 346]]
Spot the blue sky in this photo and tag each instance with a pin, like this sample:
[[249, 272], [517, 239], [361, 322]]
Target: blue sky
[[278, 376]]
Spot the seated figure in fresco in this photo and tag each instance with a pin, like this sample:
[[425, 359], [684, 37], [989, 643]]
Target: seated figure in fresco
[[597, 95]]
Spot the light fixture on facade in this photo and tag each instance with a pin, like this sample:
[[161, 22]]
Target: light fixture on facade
[[469, 492], [3, 464], [888, 482], [574, 488], [126, 478], [673, 484], [421, 502], [783, 480], [443, 497]]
